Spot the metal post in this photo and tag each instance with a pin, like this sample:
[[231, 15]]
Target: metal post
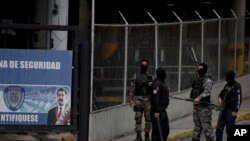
[[125, 58], [85, 121], [180, 52], [248, 62], [92, 53], [156, 40], [219, 43], [202, 36], [194, 55], [235, 40], [76, 76]]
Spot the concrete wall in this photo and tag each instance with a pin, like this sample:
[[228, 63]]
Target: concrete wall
[[118, 121], [111, 123]]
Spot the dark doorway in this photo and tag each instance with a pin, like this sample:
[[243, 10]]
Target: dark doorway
[[17, 12]]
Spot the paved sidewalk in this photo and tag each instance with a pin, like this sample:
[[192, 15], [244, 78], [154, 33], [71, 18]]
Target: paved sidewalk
[[182, 128]]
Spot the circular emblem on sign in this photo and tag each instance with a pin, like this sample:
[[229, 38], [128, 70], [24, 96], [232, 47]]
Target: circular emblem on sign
[[14, 97]]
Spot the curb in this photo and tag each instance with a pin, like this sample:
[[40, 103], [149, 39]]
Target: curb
[[188, 133], [68, 137]]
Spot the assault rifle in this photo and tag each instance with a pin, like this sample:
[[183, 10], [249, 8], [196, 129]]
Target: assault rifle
[[214, 106]]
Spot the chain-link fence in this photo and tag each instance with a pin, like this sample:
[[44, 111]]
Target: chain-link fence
[[177, 47]]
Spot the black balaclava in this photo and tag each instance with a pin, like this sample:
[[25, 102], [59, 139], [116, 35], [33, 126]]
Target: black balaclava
[[203, 71], [230, 75], [161, 74], [144, 67]]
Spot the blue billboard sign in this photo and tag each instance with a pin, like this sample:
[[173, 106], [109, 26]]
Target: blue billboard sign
[[35, 87]]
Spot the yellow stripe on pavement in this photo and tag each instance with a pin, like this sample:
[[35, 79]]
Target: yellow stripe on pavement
[[188, 133]]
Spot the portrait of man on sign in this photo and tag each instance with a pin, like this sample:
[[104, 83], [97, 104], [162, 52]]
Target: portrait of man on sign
[[60, 115]]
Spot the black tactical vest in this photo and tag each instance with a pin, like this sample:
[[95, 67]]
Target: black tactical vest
[[228, 95], [198, 89], [141, 84], [164, 95]]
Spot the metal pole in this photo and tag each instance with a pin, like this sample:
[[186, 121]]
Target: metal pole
[[84, 96], [156, 40], [235, 40], [180, 52], [194, 55], [76, 65], [202, 36], [125, 58], [91, 65], [248, 66], [219, 43], [92, 53]]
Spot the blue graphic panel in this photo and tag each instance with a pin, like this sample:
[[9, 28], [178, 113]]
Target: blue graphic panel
[[34, 83]]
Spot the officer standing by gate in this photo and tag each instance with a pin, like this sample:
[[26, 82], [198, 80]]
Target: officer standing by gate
[[159, 104], [229, 99], [141, 89], [202, 112]]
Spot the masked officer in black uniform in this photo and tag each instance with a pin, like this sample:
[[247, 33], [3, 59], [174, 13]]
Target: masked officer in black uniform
[[159, 104], [230, 100], [202, 112], [141, 89]]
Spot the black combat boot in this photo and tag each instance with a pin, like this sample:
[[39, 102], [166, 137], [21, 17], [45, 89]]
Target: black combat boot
[[147, 136], [138, 137]]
